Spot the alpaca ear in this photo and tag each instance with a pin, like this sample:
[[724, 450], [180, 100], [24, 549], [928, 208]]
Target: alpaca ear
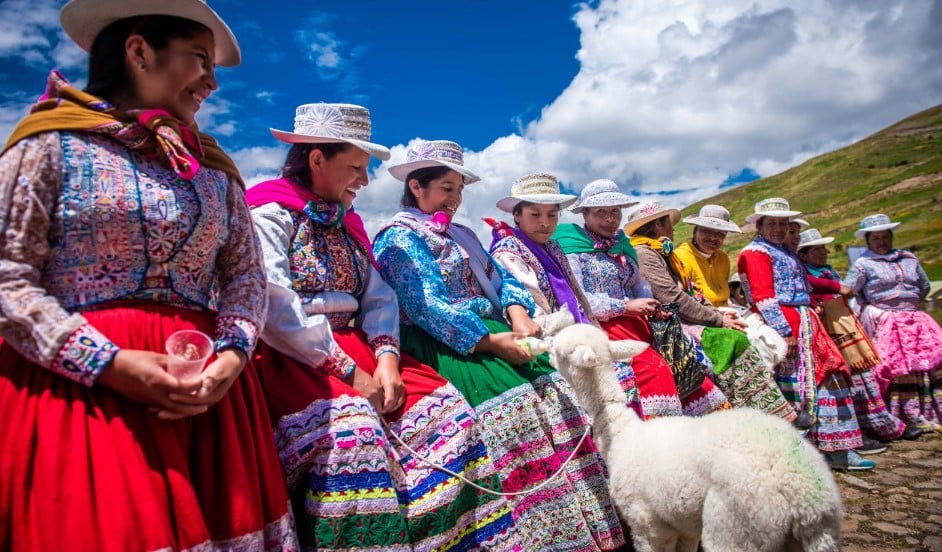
[[626, 349], [583, 355]]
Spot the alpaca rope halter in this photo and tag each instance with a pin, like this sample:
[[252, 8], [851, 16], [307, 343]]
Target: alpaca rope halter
[[439, 467]]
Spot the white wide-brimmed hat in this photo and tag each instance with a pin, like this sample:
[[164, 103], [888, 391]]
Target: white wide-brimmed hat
[[715, 217], [82, 20], [811, 237], [539, 188], [875, 223], [772, 207], [802, 223], [601, 193], [645, 212], [326, 123], [433, 153]]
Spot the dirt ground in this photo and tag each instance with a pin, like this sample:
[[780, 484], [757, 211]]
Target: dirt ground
[[897, 506]]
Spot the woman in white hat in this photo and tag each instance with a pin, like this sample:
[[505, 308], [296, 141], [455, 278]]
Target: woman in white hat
[[331, 366], [529, 253], [814, 377], [826, 290], [606, 268], [124, 223], [737, 364], [464, 314], [889, 284]]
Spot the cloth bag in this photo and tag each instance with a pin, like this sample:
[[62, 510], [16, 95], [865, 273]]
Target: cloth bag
[[678, 350], [848, 334]]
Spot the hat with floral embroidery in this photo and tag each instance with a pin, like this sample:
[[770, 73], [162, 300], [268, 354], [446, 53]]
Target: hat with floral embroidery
[[645, 212], [326, 123], [433, 153]]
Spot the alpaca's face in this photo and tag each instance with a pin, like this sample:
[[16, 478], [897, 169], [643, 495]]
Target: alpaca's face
[[579, 346]]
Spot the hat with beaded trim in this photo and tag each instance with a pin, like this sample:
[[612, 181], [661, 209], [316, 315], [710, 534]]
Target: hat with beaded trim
[[772, 207]]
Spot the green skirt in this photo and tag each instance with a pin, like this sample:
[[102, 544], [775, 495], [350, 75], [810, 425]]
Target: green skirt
[[531, 425]]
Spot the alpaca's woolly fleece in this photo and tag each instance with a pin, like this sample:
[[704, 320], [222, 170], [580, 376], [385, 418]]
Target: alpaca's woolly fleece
[[736, 480]]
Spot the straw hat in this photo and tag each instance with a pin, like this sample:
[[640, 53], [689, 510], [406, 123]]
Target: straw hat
[[811, 237], [772, 207], [715, 217], [326, 123], [434, 153], [539, 188], [601, 193], [82, 20], [645, 212]]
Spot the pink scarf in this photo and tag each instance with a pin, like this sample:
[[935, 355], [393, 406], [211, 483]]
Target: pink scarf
[[295, 197]]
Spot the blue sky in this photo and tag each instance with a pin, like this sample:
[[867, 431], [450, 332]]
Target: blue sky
[[672, 99]]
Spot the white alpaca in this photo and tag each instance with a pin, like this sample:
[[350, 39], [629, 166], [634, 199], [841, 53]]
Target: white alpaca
[[737, 480]]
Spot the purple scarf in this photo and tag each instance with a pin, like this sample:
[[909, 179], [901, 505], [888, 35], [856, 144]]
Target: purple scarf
[[558, 281]]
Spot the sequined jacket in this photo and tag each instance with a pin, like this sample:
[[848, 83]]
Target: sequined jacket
[[85, 222]]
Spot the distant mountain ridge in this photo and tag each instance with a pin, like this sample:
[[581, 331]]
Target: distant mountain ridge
[[896, 171]]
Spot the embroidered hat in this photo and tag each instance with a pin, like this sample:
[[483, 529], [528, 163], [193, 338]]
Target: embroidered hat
[[715, 217], [326, 123], [802, 223], [772, 207], [875, 223], [539, 188], [601, 193], [433, 153], [811, 237], [82, 20], [645, 212]]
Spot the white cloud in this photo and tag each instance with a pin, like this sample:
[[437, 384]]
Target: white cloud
[[677, 95]]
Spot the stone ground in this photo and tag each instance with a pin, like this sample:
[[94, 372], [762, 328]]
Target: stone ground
[[897, 506]]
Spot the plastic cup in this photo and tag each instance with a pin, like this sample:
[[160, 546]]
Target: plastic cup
[[187, 353]]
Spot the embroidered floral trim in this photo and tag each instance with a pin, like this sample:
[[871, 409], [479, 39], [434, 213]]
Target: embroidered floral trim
[[84, 355], [339, 363], [385, 344], [236, 333]]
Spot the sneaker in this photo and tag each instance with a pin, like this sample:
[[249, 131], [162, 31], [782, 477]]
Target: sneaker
[[848, 460], [911, 433], [804, 420], [870, 446]]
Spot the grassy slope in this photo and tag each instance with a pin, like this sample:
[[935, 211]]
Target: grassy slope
[[897, 171]]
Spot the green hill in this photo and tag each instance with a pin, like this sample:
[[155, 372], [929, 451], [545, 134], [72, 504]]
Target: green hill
[[897, 171]]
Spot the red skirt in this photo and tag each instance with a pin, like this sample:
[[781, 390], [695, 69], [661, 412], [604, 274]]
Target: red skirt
[[653, 375], [90, 469], [291, 386]]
